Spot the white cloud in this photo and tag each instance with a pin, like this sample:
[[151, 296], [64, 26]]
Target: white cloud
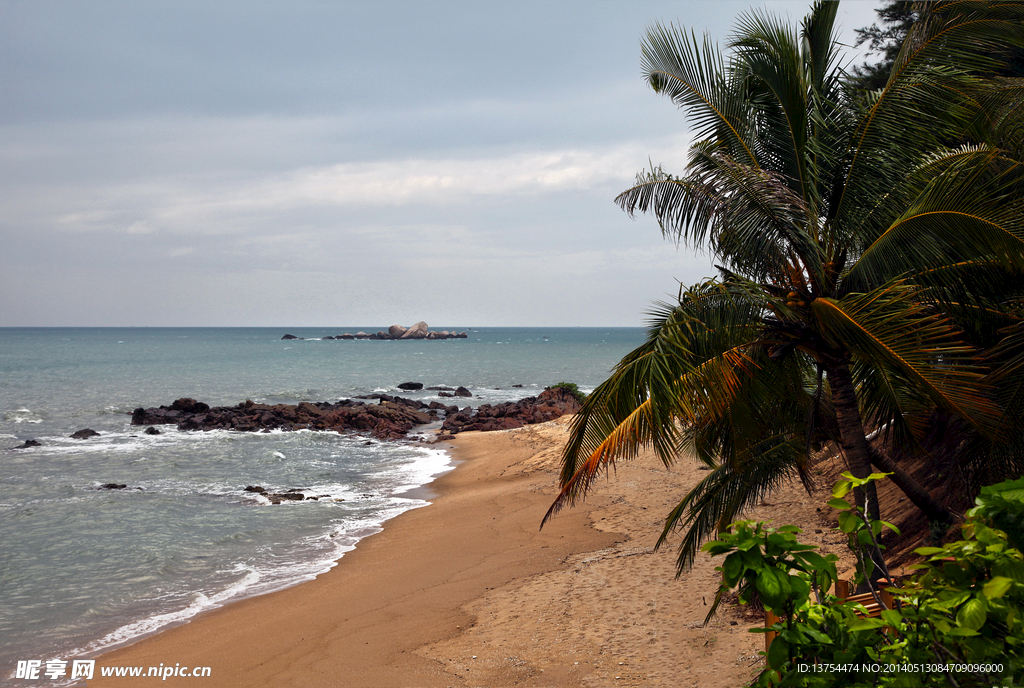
[[443, 181], [226, 203]]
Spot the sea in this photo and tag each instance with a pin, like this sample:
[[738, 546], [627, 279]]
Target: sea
[[85, 569]]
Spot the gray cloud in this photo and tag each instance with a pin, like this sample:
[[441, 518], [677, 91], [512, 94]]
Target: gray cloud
[[333, 163]]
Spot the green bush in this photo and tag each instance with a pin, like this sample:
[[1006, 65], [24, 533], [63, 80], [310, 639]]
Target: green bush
[[571, 388], [958, 622]]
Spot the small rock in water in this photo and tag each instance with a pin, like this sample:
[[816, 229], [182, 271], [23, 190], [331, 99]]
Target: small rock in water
[[409, 386], [28, 443], [84, 434], [113, 486], [152, 431]]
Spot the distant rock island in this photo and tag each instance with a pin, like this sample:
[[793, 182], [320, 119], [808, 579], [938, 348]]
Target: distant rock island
[[417, 331]]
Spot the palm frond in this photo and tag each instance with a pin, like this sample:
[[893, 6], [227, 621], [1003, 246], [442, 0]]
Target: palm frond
[[968, 204], [892, 329], [693, 363], [721, 497], [696, 78]]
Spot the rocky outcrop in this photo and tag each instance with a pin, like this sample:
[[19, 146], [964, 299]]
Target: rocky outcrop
[[418, 331], [410, 386], [393, 418], [27, 444], [84, 434], [550, 404], [390, 419], [293, 495]]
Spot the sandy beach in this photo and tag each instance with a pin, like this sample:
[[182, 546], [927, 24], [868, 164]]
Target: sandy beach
[[469, 592]]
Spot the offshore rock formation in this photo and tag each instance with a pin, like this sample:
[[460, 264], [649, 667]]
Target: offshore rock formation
[[391, 419], [417, 331]]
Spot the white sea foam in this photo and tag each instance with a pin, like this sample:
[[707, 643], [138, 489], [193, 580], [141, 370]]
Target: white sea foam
[[284, 573], [23, 415], [200, 603]]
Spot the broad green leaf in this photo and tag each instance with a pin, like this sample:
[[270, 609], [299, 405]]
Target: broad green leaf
[[778, 653], [849, 521], [865, 625], [816, 635], [837, 503], [773, 585], [842, 488], [997, 587], [961, 632], [892, 617], [814, 560], [732, 568], [973, 614], [801, 589]]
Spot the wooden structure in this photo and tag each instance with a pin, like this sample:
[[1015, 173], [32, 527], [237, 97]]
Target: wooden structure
[[842, 591]]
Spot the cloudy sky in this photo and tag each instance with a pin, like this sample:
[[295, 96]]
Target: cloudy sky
[[333, 163]]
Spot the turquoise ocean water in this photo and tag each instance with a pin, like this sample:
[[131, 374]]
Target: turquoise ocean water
[[84, 569]]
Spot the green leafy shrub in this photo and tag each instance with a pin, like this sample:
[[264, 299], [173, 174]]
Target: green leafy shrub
[[958, 622], [571, 388]]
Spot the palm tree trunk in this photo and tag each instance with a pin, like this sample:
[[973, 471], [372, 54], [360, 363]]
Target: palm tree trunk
[[851, 432], [915, 492], [857, 451]]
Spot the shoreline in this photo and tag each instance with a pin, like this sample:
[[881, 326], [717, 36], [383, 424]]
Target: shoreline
[[140, 628], [371, 580], [468, 592]]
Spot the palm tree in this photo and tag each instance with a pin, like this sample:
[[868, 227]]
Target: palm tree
[[854, 237]]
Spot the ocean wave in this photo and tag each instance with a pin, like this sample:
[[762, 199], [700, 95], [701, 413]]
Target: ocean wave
[[23, 415], [286, 572]]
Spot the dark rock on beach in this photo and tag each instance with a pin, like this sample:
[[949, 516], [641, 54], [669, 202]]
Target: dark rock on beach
[[84, 434], [393, 418], [550, 404]]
